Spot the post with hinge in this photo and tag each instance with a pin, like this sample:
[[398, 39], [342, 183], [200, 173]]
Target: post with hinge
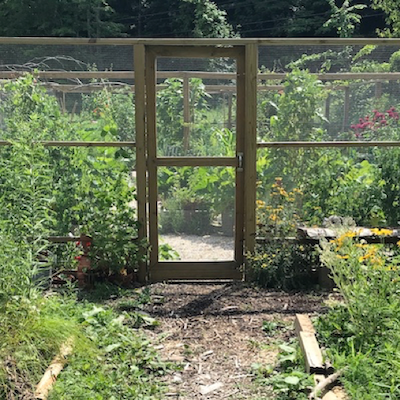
[[140, 123], [250, 154]]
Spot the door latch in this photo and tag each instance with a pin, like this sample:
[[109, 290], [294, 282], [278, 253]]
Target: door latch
[[240, 162]]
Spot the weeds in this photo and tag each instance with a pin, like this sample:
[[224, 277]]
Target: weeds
[[288, 380]]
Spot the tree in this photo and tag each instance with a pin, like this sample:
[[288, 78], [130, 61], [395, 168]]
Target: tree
[[173, 18], [392, 16], [308, 19], [259, 18], [344, 18], [80, 18]]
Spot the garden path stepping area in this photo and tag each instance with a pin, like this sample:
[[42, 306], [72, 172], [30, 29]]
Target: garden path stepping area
[[215, 331]]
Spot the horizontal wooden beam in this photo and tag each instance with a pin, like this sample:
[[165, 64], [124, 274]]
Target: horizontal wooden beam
[[70, 74], [60, 143], [339, 76], [348, 143], [196, 162], [185, 270], [314, 241], [183, 51], [199, 41]]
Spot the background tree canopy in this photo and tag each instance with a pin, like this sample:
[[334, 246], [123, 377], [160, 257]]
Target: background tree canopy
[[197, 18]]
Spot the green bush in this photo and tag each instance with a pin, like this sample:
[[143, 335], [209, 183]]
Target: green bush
[[67, 191]]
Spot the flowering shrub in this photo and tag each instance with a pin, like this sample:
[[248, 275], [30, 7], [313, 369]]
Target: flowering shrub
[[279, 263], [369, 127], [278, 216], [363, 332]]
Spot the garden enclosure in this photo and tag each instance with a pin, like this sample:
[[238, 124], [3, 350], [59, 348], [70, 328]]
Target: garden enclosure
[[235, 138]]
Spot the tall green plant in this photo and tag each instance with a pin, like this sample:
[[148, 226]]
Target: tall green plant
[[87, 190], [363, 332]]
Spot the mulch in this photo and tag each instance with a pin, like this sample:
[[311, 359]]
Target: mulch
[[215, 332]]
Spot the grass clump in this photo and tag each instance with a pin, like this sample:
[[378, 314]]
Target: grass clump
[[111, 358]]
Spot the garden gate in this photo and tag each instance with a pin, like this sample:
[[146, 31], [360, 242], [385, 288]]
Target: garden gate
[[241, 162]]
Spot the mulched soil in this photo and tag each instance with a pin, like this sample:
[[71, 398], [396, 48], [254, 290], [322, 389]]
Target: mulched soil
[[215, 332]]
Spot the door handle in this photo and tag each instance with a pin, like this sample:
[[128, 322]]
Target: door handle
[[240, 160]]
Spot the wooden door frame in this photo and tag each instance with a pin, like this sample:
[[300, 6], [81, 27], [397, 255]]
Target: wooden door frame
[[146, 79]]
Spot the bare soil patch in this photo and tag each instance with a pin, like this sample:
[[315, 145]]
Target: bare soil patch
[[215, 332]]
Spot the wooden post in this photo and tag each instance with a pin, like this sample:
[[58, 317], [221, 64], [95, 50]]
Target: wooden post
[[64, 104], [240, 149], [186, 114], [229, 124], [378, 89], [346, 111], [250, 156], [151, 80], [327, 111], [140, 117]]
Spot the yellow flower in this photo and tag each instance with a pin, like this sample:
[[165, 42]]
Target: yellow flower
[[342, 257], [273, 217], [381, 232], [398, 243], [282, 192]]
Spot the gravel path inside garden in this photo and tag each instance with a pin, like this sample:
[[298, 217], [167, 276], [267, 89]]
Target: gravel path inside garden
[[215, 331], [201, 248]]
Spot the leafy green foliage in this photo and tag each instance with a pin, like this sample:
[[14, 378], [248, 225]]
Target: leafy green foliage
[[110, 357], [363, 334], [78, 190], [392, 16], [93, 18], [344, 18], [120, 364], [170, 122], [288, 380]]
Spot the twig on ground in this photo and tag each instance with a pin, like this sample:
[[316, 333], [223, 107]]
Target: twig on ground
[[325, 383]]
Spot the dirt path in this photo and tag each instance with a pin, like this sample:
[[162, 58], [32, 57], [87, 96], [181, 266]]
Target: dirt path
[[215, 332]]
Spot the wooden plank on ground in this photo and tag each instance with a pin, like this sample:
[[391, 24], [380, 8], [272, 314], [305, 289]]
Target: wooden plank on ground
[[54, 369], [303, 323], [312, 353]]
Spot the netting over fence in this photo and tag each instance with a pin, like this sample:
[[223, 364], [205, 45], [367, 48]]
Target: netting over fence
[[306, 93]]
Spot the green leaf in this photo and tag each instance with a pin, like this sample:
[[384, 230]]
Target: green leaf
[[112, 347], [292, 380]]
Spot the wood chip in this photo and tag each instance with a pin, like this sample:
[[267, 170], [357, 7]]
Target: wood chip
[[204, 390], [206, 354], [229, 308]]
